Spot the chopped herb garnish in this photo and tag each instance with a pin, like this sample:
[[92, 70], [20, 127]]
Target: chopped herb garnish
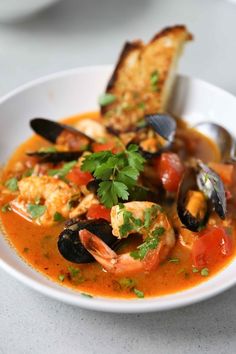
[[118, 173], [25, 250], [139, 293], [127, 283], [154, 80], [204, 272], [73, 271], [61, 277], [173, 260], [12, 184], [195, 270], [63, 171], [5, 208], [48, 149], [149, 244], [142, 106], [27, 173], [86, 295], [36, 211], [75, 275], [106, 99], [58, 217]]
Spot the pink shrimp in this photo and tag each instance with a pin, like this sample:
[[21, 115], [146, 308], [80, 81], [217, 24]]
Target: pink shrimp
[[128, 263]]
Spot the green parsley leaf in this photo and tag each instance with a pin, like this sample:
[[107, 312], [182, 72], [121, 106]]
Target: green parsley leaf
[[5, 208], [61, 277], [63, 171], [110, 191], [93, 161], [204, 272], [58, 217], [106, 99], [36, 211], [12, 184], [118, 173], [135, 159], [139, 293]]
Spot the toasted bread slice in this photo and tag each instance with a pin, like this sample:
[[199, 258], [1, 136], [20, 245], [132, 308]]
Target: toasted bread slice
[[142, 80]]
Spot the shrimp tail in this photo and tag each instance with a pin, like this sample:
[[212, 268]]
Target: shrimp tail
[[98, 249], [109, 260]]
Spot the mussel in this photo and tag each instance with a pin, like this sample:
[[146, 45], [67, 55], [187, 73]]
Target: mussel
[[201, 191], [164, 126], [60, 134], [55, 157], [69, 244], [192, 206], [212, 186]]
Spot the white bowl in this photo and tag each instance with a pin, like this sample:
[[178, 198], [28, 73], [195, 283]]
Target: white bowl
[[67, 93], [15, 10]]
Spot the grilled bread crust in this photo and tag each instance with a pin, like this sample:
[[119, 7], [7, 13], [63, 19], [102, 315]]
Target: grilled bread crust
[[143, 78]]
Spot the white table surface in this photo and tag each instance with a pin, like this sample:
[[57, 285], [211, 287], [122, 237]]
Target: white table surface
[[86, 32]]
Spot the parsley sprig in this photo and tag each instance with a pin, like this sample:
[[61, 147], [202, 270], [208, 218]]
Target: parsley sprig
[[117, 173]]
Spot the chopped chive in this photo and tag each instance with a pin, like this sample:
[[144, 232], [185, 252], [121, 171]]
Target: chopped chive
[[106, 99], [139, 293]]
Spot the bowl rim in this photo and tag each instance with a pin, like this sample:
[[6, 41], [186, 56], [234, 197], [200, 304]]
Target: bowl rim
[[107, 304]]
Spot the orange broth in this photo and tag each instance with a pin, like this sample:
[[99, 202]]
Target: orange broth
[[37, 245]]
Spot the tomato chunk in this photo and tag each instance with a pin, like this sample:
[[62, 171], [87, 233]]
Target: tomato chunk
[[212, 244], [110, 146], [170, 170], [97, 211], [79, 177]]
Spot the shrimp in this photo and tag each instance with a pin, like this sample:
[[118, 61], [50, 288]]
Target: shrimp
[[146, 218], [53, 193]]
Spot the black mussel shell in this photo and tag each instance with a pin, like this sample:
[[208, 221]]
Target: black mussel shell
[[212, 186], [55, 157], [93, 185], [50, 130], [189, 182], [69, 244], [163, 124]]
